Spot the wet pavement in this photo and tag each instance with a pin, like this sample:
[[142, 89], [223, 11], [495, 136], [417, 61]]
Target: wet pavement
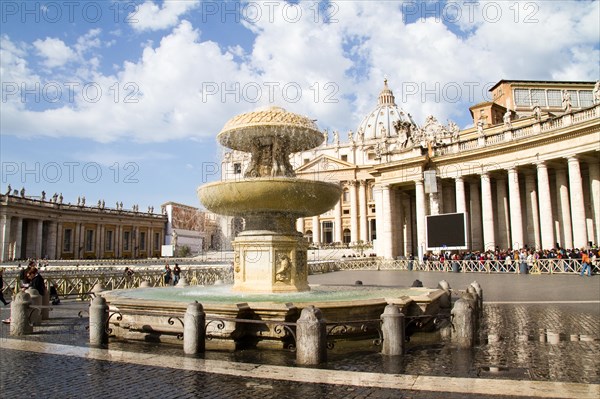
[[536, 329]]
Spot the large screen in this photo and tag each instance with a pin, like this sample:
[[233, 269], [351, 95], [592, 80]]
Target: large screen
[[447, 231]]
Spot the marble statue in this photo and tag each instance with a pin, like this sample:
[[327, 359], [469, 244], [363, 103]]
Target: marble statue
[[43, 195], [336, 138], [282, 273], [23, 192], [506, 119], [537, 113], [596, 92], [9, 189], [566, 101]]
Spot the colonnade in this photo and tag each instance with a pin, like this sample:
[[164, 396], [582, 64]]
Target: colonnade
[[538, 206]]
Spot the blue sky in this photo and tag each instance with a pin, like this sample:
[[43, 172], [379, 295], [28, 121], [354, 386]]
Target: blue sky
[[121, 100]]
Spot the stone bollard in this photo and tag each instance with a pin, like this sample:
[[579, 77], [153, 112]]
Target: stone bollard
[[36, 300], [311, 337], [145, 284], [97, 289], [194, 333], [393, 331], [46, 302], [19, 314], [473, 298], [98, 321], [445, 300], [463, 315], [479, 291]]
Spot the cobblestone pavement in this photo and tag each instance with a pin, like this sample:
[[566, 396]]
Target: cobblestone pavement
[[522, 342]]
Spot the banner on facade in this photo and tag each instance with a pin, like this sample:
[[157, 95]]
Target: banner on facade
[[430, 181]]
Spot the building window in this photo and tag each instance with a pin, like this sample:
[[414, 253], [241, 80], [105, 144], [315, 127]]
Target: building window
[[373, 230], [345, 158], [345, 196], [574, 98], [522, 97], [108, 240], [347, 236], [306, 160], [126, 240], [327, 232], [89, 240], [554, 98], [586, 98], [156, 241], [309, 235], [538, 97], [237, 168], [142, 241], [68, 240], [346, 211]]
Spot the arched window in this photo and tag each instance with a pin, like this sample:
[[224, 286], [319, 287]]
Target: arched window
[[347, 236]]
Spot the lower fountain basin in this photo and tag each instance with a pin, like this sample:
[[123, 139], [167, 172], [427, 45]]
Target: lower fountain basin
[[148, 314], [277, 195]]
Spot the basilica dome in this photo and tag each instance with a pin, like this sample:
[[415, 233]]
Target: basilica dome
[[380, 122]]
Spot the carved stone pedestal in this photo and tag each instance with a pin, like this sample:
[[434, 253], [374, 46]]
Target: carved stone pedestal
[[270, 262]]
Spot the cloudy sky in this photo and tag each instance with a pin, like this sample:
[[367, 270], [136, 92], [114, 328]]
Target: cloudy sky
[[121, 100]]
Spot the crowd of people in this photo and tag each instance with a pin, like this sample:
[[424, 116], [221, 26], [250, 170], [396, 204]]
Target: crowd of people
[[524, 257]]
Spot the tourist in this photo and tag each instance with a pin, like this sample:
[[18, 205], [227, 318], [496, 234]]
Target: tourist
[[585, 264], [2, 286], [54, 295], [167, 274], [37, 281], [176, 273]]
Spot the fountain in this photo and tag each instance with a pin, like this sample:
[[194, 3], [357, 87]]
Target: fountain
[[270, 255], [270, 267]]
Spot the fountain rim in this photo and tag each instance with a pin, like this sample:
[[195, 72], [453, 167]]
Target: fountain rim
[[268, 123], [285, 184]]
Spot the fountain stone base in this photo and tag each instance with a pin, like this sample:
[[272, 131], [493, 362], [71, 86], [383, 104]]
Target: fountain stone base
[[267, 262]]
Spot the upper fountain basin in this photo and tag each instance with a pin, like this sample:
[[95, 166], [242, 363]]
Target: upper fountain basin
[[241, 131], [298, 197]]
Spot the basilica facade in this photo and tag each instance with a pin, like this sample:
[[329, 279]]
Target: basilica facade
[[527, 174]]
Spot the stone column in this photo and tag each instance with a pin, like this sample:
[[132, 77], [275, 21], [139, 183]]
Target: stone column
[[316, 228], [59, 240], [533, 219], [475, 217], [364, 220], [594, 168], [300, 225], [546, 219], [383, 221], [564, 209], [337, 228], [577, 204], [408, 226], [103, 240], [52, 236], [18, 238], [461, 202], [4, 238], [420, 215], [516, 216], [503, 239], [353, 212], [487, 212], [38, 238]]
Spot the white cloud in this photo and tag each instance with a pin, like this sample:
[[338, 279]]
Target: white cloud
[[54, 51], [186, 87], [150, 16]]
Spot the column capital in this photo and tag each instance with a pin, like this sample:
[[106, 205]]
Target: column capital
[[363, 183]]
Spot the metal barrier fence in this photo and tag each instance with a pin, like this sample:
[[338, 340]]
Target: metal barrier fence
[[540, 266], [79, 283], [74, 281]]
